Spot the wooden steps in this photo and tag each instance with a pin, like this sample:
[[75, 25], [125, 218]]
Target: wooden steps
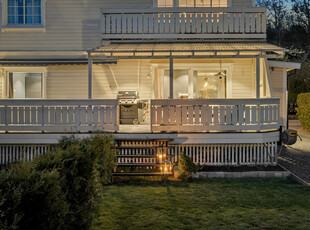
[[150, 156]]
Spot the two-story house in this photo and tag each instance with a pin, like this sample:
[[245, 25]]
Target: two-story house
[[196, 73]]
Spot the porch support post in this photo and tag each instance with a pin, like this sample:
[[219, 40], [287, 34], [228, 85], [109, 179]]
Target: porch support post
[[171, 78], [90, 77], [258, 78]]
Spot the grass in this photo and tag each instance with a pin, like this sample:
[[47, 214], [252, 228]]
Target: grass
[[211, 204]]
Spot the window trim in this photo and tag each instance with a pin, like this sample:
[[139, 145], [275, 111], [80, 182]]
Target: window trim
[[7, 70], [176, 4], [6, 26]]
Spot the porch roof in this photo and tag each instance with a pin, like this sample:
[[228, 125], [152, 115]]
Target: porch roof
[[185, 50]]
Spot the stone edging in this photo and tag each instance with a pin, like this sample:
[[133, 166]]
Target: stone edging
[[254, 174]]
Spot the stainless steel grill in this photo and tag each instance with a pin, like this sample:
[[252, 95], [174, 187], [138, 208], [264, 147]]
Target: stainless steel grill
[[131, 109]]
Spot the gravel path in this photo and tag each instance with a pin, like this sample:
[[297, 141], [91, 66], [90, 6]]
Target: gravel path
[[296, 158]]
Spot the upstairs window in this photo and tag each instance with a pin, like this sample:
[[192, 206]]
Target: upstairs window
[[192, 3], [24, 12], [165, 3]]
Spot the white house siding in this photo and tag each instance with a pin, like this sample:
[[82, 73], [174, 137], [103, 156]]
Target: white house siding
[[67, 82], [70, 82], [279, 85], [126, 75], [70, 25], [243, 78]]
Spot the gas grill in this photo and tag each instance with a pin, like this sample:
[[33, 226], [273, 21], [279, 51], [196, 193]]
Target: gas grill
[[131, 109]]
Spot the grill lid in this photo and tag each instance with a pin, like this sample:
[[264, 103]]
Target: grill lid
[[127, 95]]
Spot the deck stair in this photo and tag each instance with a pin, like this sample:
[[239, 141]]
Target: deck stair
[[144, 157]]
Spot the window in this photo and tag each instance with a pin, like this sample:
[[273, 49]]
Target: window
[[25, 85], [24, 12], [193, 3], [209, 85], [165, 3]]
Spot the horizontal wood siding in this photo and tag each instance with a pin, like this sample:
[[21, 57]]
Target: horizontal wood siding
[[71, 82], [70, 25], [278, 80], [67, 82], [243, 78]]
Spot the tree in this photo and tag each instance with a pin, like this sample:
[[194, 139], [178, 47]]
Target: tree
[[302, 10], [276, 17]]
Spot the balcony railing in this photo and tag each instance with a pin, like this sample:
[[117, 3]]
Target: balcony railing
[[201, 115], [184, 23], [58, 115], [192, 115]]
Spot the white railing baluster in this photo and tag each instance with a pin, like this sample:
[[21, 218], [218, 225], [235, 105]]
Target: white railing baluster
[[152, 23], [58, 115], [214, 114]]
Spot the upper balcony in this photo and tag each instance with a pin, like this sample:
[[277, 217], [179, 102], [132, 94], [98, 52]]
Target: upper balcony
[[208, 23]]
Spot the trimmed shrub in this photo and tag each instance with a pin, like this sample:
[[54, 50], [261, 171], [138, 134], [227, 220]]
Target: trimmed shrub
[[303, 111], [58, 190], [186, 167], [31, 199]]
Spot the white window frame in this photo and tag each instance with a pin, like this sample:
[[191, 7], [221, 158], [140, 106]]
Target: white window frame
[[176, 3], [5, 79], [6, 26]]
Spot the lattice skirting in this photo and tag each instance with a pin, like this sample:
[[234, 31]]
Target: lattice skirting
[[14, 153], [206, 154], [230, 154]]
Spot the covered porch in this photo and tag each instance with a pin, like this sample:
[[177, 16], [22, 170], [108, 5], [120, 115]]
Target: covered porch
[[180, 87]]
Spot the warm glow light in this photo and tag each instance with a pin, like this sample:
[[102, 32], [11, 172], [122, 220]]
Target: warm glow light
[[205, 83]]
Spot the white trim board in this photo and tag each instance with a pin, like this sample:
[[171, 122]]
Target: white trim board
[[179, 138], [287, 65]]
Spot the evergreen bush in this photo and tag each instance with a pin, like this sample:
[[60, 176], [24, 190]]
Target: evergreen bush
[[186, 167], [58, 190], [303, 111]]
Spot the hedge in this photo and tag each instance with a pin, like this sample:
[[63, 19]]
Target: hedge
[[58, 190], [303, 111]]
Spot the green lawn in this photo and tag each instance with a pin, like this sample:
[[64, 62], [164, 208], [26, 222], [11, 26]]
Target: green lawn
[[212, 204]]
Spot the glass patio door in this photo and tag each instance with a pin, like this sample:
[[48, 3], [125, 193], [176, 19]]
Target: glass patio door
[[209, 84], [180, 84]]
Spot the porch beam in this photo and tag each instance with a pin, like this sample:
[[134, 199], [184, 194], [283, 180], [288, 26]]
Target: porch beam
[[112, 58], [90, 77], [258, 77], [171, 77]]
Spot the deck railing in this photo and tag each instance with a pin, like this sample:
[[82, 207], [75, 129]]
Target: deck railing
[[58, 115], [190, 23], [201, 115]]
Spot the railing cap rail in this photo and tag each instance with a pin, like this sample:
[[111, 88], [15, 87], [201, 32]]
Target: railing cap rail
[[249, 101], [68, 102], [185, 10]]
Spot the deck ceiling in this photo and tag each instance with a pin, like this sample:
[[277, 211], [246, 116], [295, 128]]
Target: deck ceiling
[[185, 50]]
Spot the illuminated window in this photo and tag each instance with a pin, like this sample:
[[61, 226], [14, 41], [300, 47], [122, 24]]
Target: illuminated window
[[25, 85], [165, 3], [193, 3]]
